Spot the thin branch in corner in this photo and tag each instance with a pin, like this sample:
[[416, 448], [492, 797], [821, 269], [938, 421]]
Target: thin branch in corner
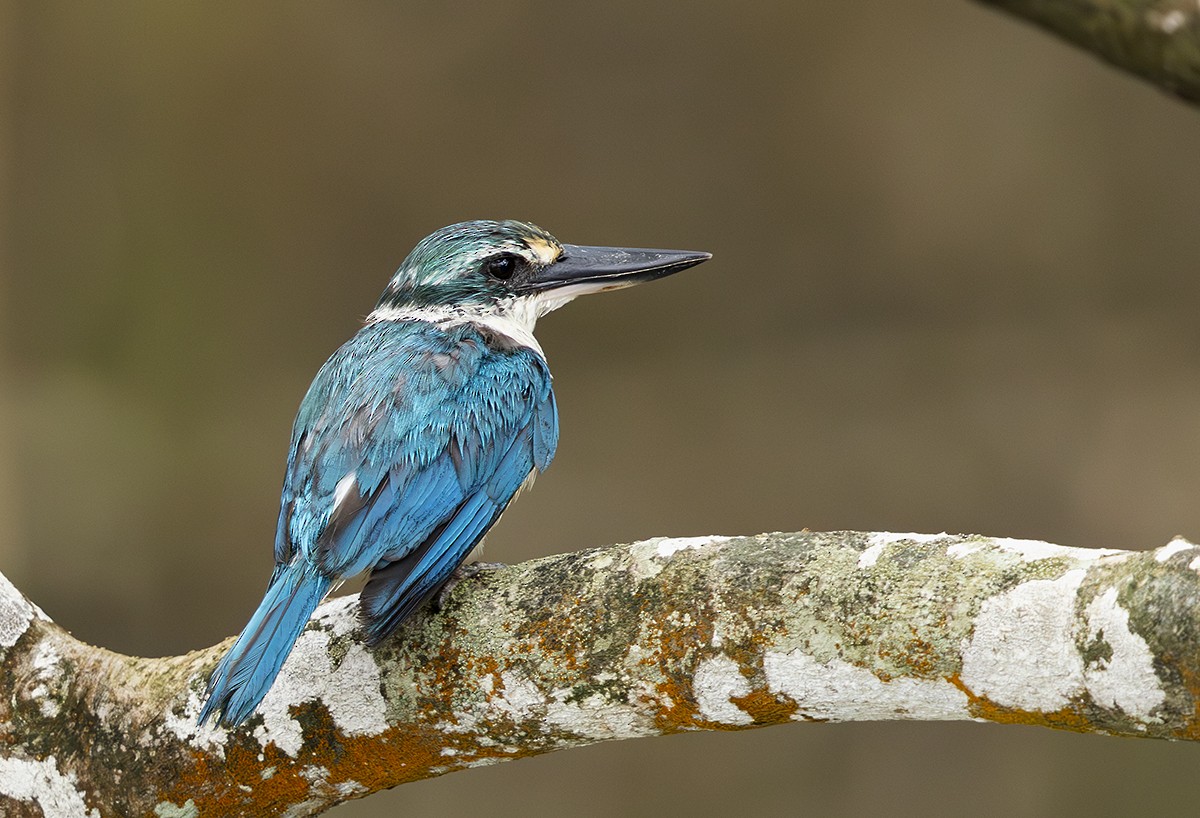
[[1157, 40]]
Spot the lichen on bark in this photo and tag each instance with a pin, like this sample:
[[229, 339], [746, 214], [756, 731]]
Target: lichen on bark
[[661, 636]]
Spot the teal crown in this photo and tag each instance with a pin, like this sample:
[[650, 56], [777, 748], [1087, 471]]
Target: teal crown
[[447, 266]]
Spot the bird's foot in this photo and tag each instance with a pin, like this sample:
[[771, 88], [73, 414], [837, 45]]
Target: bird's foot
[[462, 572]]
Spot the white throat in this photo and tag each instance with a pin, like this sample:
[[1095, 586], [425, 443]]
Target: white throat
[[513, 318]]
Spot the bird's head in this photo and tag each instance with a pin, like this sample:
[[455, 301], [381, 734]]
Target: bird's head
[[516, 270]]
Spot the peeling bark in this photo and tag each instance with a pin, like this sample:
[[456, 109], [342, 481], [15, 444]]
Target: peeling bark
[[1158, 40], [666, 635]]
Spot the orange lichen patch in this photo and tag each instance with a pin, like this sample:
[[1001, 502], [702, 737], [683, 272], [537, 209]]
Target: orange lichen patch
[[237, 786], [558, 638], [677, 710], [981, 707], [765, 707], [917, 655], [407, 754], [679, 642], [213, 783], [486, 664], [552, 642], [480, 667], [1190, 675], [443, 674]]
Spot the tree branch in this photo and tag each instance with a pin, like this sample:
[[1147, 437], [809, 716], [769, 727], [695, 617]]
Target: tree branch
[[1158, 40], [665, 635]]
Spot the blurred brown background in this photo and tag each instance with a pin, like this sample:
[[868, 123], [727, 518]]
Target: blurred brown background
[[954, 288]]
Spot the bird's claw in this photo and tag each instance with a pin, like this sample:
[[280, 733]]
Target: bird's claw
[[462, 572]]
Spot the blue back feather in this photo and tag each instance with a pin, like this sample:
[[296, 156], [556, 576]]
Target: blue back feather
[[439, 430]]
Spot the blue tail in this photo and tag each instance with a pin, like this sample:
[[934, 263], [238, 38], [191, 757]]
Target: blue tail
[[246, 673]]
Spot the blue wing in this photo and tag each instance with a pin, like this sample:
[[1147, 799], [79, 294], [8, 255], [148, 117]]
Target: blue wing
[[439, 431], [398, 586], [407, 448]]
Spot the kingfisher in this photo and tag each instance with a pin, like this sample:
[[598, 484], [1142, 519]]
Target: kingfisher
[[418, 432]]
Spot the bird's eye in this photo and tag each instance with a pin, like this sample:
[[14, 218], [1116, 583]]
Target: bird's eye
[[502, 267]]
